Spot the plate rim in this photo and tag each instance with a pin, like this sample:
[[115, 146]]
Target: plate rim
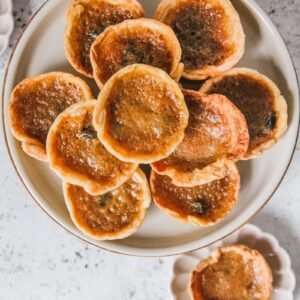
[[257, 9]]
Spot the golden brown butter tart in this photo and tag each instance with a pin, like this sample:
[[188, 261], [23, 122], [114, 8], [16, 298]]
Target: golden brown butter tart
[[216, 135], [203, 205], [260, 101], [141, 114], [76, 154], [113, 215], [86, 19], [143, 41], [233, 272], [35, 103], [210, 34]]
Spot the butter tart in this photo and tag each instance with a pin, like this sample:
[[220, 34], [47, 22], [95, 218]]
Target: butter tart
[[233, 272], [76, 154], [35, 103], [86, 19], [210, 34], [140, 115], [113, 215], [142, 41], [260, 101], [216, 135], [202, 205]]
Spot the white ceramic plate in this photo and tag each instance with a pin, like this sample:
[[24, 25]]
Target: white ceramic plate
[[40, 50], [284, 280], [6, 23]]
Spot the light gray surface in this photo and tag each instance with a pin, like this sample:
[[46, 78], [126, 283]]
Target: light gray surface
[[39, 260]]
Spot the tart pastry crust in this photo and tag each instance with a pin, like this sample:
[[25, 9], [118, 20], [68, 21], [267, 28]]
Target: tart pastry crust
[[140, 115], [114, 215], [210, 33], [233, 272], [202, 205], [76, 154], [35, 103], [142, 41], [216, 136], [261, 102], [86, 19]]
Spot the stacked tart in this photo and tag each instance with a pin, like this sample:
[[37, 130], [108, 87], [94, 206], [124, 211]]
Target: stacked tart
[[192, 139]]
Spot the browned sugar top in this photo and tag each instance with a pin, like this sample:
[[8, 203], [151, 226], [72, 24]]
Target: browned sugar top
[[132, 45], [201, 30], [143, 113], [233, 277], [95, 17], [37, 104], [255, 99], [206, 136], [79, 148], [208, 202], [110, 212]]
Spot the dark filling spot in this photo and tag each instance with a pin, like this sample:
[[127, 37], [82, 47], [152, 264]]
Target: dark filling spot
[[227, 271], [200, 206], [89, 38], [104, 199], [250, 286], [200, 32], [133, 54], [271, 121], [89, 132]]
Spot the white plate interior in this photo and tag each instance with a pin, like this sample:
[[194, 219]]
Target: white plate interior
[[284, 280], [41, 50]]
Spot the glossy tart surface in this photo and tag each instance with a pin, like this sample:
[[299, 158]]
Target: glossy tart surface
[[143, 41], [232, 272], [202, 205], [113, 215], [86, 19], [216, 135], [141, 114], [210, 34], [260, 101], [35, 103], [76, 154]]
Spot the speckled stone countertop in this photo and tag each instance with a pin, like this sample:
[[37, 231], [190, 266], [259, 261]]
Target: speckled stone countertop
[[40, 260]]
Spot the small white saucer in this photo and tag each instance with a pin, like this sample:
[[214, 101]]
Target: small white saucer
[[251, 236], [6, 23]]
